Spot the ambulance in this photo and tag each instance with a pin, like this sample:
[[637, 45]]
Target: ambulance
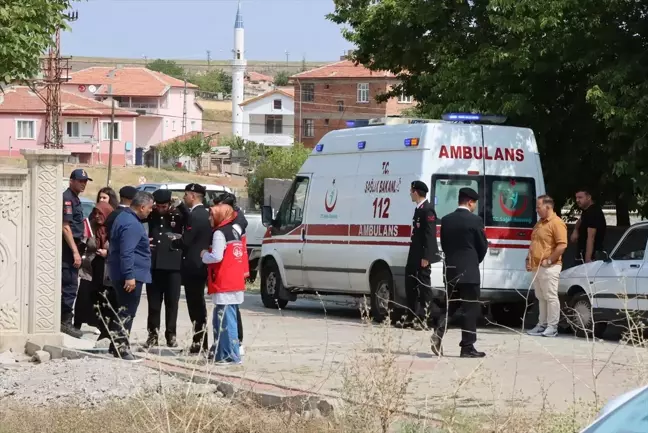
[[344, 225]]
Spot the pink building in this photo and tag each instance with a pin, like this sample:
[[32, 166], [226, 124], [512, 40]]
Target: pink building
[[85, 125], [159, 99]]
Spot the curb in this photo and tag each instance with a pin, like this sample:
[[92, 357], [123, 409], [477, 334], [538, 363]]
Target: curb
[[264, 394]]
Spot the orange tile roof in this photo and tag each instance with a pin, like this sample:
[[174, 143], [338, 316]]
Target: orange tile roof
[[211, 136], [127, 81], [343, 69], [256, 76], [22, 100], [289, 93]]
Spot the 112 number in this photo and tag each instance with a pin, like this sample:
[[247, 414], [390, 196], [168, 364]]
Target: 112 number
[[381, 207]]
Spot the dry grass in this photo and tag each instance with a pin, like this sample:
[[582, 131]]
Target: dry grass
[[217, 120]]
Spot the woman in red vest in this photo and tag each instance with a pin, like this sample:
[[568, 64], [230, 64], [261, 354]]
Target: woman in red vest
[[226, 267]]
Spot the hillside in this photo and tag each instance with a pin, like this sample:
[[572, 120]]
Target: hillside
[[264, 67]]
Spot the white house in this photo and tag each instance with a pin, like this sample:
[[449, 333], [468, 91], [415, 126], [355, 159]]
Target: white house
[[270, 118]]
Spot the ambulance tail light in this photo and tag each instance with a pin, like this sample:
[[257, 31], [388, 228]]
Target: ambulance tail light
[[473, 172], [361, 145], [319, 147], [411, 142]]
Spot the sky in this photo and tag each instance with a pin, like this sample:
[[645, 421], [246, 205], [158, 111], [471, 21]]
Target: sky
[[186, 29]]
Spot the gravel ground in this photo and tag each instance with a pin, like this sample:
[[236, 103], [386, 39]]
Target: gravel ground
[[85, 382]]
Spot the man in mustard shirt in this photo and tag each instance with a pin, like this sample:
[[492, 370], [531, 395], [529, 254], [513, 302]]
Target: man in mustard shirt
[[548, 243]]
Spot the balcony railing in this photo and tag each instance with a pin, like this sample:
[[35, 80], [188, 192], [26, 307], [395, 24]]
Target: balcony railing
[[147, 107]]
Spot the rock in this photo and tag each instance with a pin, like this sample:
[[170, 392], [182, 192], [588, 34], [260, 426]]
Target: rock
[[54, 351], [31, 348], [324, 407], [8, 357], [41, 356]]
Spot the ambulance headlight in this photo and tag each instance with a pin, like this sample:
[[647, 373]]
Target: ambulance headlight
[[319, 147]]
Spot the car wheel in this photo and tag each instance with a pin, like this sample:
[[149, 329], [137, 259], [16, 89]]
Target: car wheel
[[271, 285], [382, 297], [581, 317]]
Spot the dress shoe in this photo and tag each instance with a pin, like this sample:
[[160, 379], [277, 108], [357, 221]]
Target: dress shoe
[[195, 348], [172, 342], [151, 341], [69, 329], [471, 352]]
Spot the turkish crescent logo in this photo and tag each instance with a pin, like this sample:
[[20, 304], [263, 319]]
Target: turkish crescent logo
[[238, 251], [515, 207], [330, 200]]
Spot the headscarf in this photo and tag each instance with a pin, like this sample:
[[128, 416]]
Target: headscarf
[[101, 212], [221, 214]]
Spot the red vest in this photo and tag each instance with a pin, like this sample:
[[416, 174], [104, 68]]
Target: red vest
[[228, 275], [247, 259]]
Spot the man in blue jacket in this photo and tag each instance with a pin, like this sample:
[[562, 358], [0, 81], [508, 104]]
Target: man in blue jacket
[[129, 267]]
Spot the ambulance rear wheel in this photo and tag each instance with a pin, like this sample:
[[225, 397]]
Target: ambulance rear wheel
[[271, 286], [382, 296]]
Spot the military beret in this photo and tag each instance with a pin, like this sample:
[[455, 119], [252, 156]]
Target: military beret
[[197, 188], [162, 196], [469, 193], [128, 192], [420, 186]]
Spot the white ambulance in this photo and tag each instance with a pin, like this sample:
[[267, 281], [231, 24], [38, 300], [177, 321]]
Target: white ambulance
[[344, 226]]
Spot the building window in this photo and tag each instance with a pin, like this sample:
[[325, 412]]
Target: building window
[[326, 122], [363, 92], [277, 104], [25, 129], [193, 125], [308, 92], [404, 99], [309, 128], [105, 131], [274, 124], [340, 105], [173, 125], [72, 129]]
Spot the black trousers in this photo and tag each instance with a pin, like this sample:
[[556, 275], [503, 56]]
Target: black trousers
[[127, 303], [465, 296], [418, 292], [165, 288], [194, 286]]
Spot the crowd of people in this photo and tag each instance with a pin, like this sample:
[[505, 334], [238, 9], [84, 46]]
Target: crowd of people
[[150, 240]]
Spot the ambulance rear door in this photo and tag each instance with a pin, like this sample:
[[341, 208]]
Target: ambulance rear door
[[510, 162]]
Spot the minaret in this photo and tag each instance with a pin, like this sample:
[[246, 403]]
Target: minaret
[[238, 74]]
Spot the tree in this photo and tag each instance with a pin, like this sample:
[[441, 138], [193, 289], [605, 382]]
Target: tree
[[279, 163], [193, 147], [282, 78], [168, 67], [304, 67], [485, 56], [27, 30], [253, 151], [212, 82]]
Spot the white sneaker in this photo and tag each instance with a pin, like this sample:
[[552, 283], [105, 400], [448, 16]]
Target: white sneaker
[[551, 331], [537, 331], [241, 351]]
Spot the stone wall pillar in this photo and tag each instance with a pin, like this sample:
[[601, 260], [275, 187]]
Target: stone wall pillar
[[41, 244]]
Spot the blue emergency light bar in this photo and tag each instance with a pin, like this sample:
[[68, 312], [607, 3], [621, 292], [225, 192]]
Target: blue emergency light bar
[[361, 145], [319, 147], [411, 142], [473, 117]]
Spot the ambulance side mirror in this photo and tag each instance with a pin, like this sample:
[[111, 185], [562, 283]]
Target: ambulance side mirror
[[266, 215]]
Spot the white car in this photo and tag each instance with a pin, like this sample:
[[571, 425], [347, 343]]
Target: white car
[[624, 414], [608, 291]]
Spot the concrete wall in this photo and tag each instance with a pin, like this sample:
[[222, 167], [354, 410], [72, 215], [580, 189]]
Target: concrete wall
[[274, 191], [31, 217]]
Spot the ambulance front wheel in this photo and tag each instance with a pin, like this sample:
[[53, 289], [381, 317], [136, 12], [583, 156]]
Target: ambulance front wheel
[[271, 286]]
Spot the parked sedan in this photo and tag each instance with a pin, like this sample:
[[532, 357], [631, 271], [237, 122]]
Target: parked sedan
[[596, 294], [624, 414]]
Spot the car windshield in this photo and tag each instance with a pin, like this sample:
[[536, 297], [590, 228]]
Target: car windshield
[[628, 417]]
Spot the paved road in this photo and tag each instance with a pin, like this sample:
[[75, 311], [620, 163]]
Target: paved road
[[305, 347]]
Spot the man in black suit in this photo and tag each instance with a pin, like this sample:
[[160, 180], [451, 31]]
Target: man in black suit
[[423, 252], [464, 245], [197, 236]]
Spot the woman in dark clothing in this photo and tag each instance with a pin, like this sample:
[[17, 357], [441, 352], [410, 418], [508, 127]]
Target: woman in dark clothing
[[95, 295], [108, 195]]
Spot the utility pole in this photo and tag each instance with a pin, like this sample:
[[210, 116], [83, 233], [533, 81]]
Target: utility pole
[[208, 60], [287, 57], [111, 134], [184, 108]]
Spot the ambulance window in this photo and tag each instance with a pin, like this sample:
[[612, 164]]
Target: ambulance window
[[446, 192], [291, 213], [512, 202]]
